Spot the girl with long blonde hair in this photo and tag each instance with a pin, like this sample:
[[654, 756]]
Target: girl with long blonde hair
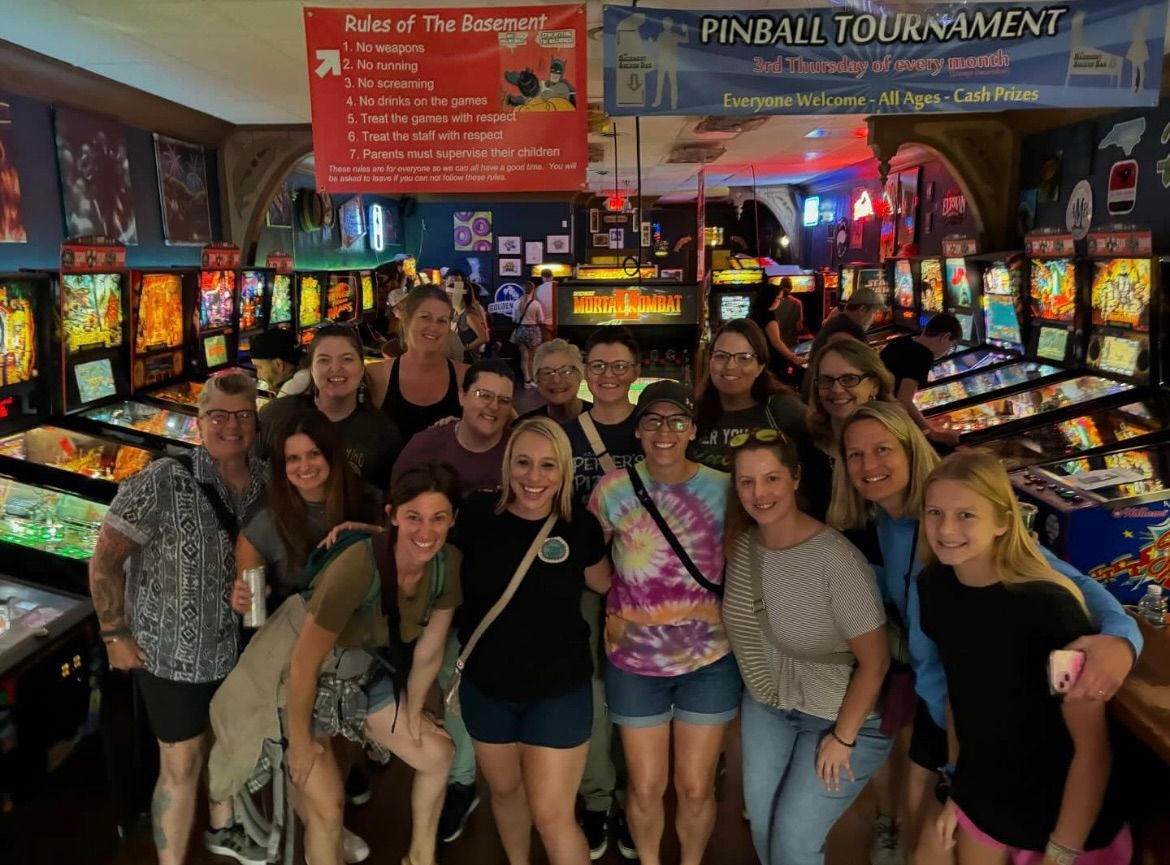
[[1032, 777]]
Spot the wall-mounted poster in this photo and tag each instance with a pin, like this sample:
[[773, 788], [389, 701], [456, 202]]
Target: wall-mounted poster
[[11, 215], [352, 222], [182, 189], [533, 252], [473, 231], [509, 245], [907, 207], [601, 241], [94, 165], [280, 209], [557, 244], [511, 267]]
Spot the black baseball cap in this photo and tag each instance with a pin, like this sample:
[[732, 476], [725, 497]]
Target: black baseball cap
[[275, 344], [673, 392]]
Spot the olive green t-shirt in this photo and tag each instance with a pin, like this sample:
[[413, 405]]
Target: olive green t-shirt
[[412, 609]]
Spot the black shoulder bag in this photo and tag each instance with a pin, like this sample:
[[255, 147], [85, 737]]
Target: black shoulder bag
[[652, 509], [223, 514]]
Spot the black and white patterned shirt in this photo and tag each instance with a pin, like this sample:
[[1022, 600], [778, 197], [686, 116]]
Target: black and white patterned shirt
[[179, 579]]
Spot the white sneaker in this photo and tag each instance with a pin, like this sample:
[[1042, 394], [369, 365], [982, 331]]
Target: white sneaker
[[354, 849], [885, 849]]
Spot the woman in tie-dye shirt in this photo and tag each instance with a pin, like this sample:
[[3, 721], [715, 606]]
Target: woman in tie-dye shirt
[[670, 672]]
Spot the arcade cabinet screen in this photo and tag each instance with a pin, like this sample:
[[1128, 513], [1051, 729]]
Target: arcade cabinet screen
[[1081, 433], [958, 288], [309, 305], [367, 292], [341, 298], [1121, 292], [734, 306], [251, 300], [1119, 355], [931, 281], [95, 380], [968, 324], [18, 343], [1052, 343], [1054, 289], [997, 279], [216, 292], [215, 350], [903, 284], [410, 267], [848, 283], [805, 284], [160, 312], [1002, 323], [281, 299], [91, 311]]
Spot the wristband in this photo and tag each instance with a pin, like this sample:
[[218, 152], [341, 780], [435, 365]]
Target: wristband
[[106, 633], [1060, 854], [833, 733]]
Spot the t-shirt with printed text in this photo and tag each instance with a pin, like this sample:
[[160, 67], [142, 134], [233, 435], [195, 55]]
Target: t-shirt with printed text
[[619, 439]]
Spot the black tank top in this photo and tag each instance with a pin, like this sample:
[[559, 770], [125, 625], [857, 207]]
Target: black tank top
[[413, 418]]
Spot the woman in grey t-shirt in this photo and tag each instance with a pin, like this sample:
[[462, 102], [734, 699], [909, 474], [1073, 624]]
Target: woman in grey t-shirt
[[805, 620]]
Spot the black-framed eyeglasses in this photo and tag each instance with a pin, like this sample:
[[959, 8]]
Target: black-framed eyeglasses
[[722, 358], [651, 422], [848, 381], [484, 395], [767, 435], [547, 373], [219, 416], [618, 367]]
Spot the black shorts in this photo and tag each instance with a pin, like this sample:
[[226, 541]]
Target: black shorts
[[178, 711], [928, 741]]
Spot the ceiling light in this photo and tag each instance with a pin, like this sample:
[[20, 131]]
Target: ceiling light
[[819, 132], [811, 154]]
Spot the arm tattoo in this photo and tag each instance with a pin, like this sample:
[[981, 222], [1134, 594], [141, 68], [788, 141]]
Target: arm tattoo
[[107, 582]]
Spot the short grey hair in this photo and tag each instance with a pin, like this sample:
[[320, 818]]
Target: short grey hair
[[231, 382], [558, 345]]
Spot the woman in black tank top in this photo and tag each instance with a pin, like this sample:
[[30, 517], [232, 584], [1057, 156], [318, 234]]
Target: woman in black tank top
[[426, 325]]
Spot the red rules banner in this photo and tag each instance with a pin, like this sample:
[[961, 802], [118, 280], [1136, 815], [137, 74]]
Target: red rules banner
[[448, 100]]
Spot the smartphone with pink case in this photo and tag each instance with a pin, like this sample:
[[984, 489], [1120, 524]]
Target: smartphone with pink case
[[1064, 668]]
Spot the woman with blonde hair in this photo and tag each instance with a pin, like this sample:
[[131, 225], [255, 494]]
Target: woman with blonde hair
[[526, 690], [1032, 779], [842, 376], [878, 487]]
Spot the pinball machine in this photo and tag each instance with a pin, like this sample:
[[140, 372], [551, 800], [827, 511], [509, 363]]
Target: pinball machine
[[341, 297], [310, 302], [368, 293], [904, 276], [252, 310]]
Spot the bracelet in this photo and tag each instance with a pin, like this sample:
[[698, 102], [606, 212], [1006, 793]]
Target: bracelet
[[833, 733], [114, 632], [1060, 854]]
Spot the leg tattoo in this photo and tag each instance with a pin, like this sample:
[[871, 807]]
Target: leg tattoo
[[159, 804]]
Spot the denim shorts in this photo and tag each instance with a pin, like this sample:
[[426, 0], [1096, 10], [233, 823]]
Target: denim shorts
[[708, 696], [563, 721]]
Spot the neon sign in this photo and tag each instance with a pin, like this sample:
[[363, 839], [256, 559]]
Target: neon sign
[[377, 228], [863, 206], [812, 211]]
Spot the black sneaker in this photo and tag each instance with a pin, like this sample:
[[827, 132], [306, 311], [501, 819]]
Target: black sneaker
[[461, 800], [233, 842], [625, 841], [595, 825], [357, 786]]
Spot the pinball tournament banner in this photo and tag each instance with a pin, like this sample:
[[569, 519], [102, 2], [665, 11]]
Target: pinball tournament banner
[[862, 58], [486, 99]]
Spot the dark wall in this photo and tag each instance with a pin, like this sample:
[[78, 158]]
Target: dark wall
[[34, 153], [1077, 151]]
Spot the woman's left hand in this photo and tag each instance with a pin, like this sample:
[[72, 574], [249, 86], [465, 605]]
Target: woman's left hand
[[1108, 661], [833, 763], [414, 726], [331, 538], [301, 757]]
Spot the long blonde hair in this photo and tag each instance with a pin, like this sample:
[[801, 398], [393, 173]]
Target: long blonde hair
[[866, 361], [849, 509], [562, 451], [1017, 557]]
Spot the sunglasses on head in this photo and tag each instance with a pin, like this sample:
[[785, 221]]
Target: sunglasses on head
[[766, 436]]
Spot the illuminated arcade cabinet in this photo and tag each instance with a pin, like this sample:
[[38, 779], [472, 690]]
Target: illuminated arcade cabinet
[[367, 295], [310, 304], [215, 328], [341, 297], [252, 309], [904, 276]]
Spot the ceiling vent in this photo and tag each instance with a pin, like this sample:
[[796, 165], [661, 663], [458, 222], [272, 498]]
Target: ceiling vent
[[696, 153], [717, 127]]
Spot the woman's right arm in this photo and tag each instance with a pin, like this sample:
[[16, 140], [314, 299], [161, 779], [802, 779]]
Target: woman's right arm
[[312, 647], [247, 556], [107, 588]]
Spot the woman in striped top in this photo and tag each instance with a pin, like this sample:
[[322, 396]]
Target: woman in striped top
[[805, 620]]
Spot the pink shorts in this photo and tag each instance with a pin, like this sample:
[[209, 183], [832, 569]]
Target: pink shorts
[[1119, 851]]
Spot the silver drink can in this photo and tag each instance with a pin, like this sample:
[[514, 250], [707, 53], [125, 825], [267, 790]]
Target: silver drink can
[[257, 615], [1028, 513]]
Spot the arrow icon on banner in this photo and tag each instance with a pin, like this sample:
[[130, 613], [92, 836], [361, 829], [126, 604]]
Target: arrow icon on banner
[[330, 62]]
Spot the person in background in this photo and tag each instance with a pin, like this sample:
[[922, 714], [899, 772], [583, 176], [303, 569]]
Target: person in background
[[546, 293], [670, 676], [470, 325], [806, 622], [779, 315], [852, 322], [339, 391], [1034, 775], [379, 330], [525, 692], [165, 558], [559, 370], [909, 359], [529, 331], [844, 375], [280, 362], [422, 386], [878, 486]]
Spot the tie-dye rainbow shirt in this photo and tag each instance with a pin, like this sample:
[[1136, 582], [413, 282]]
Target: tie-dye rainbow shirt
[[659, 621]]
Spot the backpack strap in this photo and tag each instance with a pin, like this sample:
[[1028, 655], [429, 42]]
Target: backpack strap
[[228, 523], [594, 438]]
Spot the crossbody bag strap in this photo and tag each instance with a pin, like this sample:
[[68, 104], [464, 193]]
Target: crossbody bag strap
[[223, 514], [594, 437], [760, 609], [506, 598], [652, 509]]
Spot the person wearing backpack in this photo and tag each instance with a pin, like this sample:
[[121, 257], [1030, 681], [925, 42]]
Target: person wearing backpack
[[529, 332]]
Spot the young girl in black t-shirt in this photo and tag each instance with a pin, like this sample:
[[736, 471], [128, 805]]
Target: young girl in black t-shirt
[[1033, 778]]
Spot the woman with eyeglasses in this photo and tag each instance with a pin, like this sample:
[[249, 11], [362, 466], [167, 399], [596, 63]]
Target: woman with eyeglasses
[[559, 370], [739, 394], [422, 386], [805, 619], [340, 392], [165, 559], [842, 376], [670, 678]]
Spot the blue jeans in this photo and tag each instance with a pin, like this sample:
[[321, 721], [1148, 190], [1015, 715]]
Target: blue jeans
[[790, 810]]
